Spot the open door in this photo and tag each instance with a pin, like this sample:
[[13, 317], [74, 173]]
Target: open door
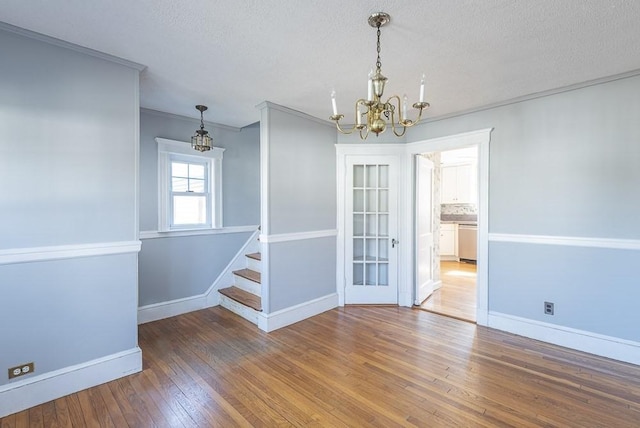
[[424, 229]]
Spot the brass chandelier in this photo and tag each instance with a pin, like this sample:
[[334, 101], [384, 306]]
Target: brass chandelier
[[369, 112]]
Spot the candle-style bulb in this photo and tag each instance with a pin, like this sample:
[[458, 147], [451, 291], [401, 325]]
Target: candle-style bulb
[[404, 107], [333, 103], [422, 88], [370, 86]]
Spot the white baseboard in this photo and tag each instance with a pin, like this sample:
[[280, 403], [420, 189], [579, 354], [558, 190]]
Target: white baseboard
[[162, 310], [593, 343], [293, 314], [21, 395]]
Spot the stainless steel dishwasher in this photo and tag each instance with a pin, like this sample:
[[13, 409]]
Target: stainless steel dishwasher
[[467, 241]]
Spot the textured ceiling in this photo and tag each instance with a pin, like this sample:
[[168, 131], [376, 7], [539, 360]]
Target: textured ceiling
[[233, 54]]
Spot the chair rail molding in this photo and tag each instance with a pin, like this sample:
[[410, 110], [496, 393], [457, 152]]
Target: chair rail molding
[[59, 252]]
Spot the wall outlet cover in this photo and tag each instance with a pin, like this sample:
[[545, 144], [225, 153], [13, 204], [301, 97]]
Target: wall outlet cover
[[21, 370]]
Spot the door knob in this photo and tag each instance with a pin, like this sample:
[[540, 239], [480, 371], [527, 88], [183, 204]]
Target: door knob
[[394, 243]]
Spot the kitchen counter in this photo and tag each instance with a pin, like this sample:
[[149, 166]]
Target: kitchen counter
[[458, 218]]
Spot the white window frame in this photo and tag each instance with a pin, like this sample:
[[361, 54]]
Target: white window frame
[[172, 150]]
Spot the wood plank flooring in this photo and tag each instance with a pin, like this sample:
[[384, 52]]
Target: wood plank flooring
[[457, 296], [354, 366]]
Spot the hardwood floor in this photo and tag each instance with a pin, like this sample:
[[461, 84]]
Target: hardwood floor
[[457, 296], [354, 366]]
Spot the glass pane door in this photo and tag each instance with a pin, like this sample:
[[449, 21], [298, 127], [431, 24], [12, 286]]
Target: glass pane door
[[370, 216]]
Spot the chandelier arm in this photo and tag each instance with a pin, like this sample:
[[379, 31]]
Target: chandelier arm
[[366, 134], [393, 121], [414, 122], [344, 131]]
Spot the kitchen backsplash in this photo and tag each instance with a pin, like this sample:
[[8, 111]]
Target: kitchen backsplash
[[456, 209]]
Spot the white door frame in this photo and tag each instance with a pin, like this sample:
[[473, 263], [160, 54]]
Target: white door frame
[[480, 138], [406, 195]]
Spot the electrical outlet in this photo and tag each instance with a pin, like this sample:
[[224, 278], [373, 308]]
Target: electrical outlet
[[548, 308], [21, 370]]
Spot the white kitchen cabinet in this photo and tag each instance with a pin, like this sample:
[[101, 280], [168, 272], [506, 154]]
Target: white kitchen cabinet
[[459, 184], [448, 241]]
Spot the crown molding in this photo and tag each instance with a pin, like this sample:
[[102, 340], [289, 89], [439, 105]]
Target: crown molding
[[166, 115], [67, 45], [535, 95], [273, 106]]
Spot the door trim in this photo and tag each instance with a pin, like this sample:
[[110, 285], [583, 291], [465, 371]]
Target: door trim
[[406, 232], [480, 138]]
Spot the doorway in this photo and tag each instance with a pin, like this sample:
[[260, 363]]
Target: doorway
[[470, 303], [454, 207]]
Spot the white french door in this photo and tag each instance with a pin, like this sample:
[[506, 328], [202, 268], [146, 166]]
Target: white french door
[[424, 229], [371, 262]]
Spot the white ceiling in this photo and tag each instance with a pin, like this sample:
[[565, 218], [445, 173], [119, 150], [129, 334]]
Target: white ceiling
[[233, 54]]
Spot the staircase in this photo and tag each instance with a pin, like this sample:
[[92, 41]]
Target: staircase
[[243, 298]]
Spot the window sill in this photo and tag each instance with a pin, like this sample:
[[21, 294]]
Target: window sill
[[153, 234]]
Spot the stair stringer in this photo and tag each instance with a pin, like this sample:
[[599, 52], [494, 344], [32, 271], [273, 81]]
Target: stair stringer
[[237, 262]]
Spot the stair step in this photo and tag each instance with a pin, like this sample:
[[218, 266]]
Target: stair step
[[253, 262], [249, 274], [243, 297], [255, 256]]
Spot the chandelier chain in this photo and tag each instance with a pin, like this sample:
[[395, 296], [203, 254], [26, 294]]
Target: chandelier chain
[[378, 63]]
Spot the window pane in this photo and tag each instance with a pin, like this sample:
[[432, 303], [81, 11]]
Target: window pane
[[179, 169], [383, 274], [384, 176], [358, 249], [383, 227], [189, 210], [358, 176], [196, 185], [358, 201], [179, 184], [372, 253], [196, 171], [372, 176], [358, 225], [358, 274], [370, 274], [383, 201], [371, 226]]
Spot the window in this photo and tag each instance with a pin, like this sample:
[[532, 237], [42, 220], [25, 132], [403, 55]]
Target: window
[[190, 194], [190, 188]]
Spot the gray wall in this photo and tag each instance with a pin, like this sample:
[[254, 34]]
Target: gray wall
[[563, 165], [178, 267], [240, 166], [302, 170], [301, 197], [301, 271], [67, 162], [68, 141]]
